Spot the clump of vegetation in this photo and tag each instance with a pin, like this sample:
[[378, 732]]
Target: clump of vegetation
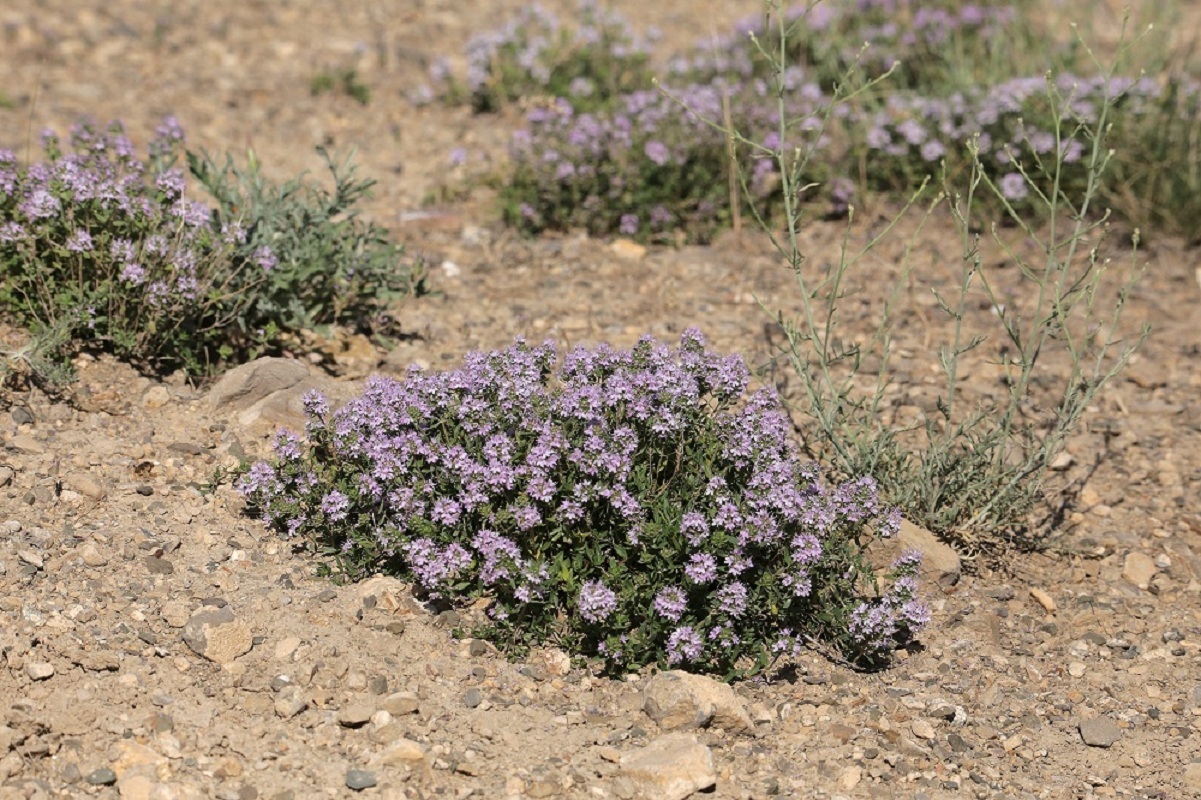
[[345, 80], [101, 248], [630, 506]]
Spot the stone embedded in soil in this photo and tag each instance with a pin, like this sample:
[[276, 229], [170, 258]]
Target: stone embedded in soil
[[400, 704], [1099, 732], [940, 562], [359, 779], [679, 699], [671, 767], [1043, 599], [355, 715], [1139, 569], [39, 670], [245, 385], [101, 777], [86, 485], [290, 702], [216, 634]]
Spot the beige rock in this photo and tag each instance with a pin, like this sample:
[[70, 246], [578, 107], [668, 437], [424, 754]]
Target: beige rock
[[679, 699], [400, 704], [285, 648], [92, 555], [404, 753], [175, 613], [940, 562], [849, 778], [156, 397], [1043, 599], [670, 768], [627, 248], [86, 485], [216, 634], [1139, 569], [245, 385]]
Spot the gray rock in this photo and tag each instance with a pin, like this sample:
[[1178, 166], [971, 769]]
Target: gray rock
[[216, 634], [679, 699], [247, 384], [101, 777], [359, 779], [473, 698], [290, 702], [1099, 732], [670, 768]]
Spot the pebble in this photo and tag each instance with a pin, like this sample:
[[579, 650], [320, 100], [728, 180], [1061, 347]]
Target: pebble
[[1043, 599], [101, 777], [39, 670], [355, 715], [359, 779], [1099, 732], [216, 634], [1139, 569], [922, 729]]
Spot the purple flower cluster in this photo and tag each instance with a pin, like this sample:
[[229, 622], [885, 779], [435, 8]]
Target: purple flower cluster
[[648, 166], [551, 488]]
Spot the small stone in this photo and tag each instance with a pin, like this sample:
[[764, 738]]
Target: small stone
[[670, 767], [175, 613], [355, 715], [289, 702], [286, 647], [627, 248], [92, 555], [377, 685], [849, 778], [922, 729], [1139, 569], [101, 777], [39, 670], [1061, 462], [159, 566], [156, 397], [400, 704], [24, 443], [1099, 732], [216, 634], [359, 779], [679, 699], [1076, 669], [1192, 776], [87, 486], [31, 558], [473, 698], [1043, 599]]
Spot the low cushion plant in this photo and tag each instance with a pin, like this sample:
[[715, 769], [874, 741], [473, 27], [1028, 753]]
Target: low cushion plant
[[632, 506]]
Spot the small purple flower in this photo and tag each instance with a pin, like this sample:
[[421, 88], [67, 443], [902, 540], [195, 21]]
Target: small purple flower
[[670, 603], [12, 232], [732, 599], [629, 224], [1013, 186], [40, 204], [264, 256], [133, 273], [683, 645], [80, 241], [458, 157], [701, 569], [596, 601], [657, 152], [335, 505]]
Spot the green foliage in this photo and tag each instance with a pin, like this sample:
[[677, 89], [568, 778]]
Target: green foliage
[[970, 474], [345, 80], [315, 262], [629, 506], [101, 249]]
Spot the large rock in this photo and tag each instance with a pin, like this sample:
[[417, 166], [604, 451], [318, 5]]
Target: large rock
[[216, 634], [680, 699], [940, 562], [268, 393], [670, 768]]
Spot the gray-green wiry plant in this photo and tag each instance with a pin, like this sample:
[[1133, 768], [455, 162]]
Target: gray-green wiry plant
[[972, 475], [319, 263]]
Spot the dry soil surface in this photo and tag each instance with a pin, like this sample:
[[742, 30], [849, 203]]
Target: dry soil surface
[[156, 643]]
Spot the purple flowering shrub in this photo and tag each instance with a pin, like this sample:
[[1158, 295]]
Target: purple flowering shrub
[[534, 55], [632, 506], [104, 247]]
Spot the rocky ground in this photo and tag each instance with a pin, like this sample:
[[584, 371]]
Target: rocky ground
[[156, 643]]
